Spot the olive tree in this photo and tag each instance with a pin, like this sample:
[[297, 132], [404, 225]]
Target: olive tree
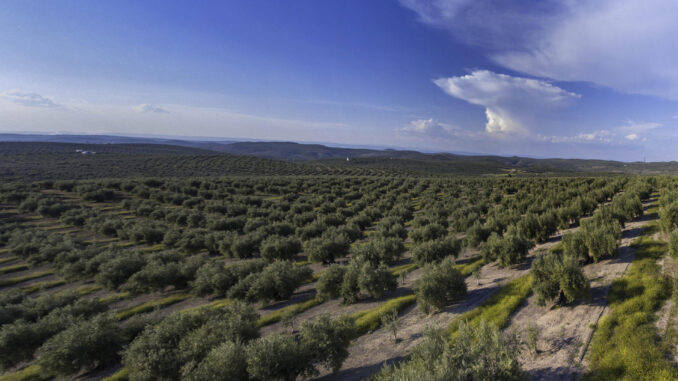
[[438, 285], [556, 276]]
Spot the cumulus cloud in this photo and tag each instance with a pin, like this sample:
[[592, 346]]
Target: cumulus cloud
[[148, 108], [512, 104], [429, 128], [627, 45], [28, 99]]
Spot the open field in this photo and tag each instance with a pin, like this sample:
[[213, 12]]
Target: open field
[[375, 262]]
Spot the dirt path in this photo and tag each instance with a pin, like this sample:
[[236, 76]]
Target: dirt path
[[565, 332], [371, 351]]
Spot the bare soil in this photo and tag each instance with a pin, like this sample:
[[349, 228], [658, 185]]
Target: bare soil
[[565, 332]]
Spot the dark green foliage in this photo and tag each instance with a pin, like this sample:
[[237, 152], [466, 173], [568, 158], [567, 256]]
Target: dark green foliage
[[227, 361], [329, 283], [668, 217], [557, 276], [574, 245], [157, 353], [476, 353], [328, 247], [362, 279], [508, 250], [19, 340], [214, 278], [476, 234], [428, 233], [87, 345], [379, 249], [673, 244], [275, 357], [435, 250], [277, 281], [278, 247], [325, 342], [117, 270], [438, 285], [602, 234]]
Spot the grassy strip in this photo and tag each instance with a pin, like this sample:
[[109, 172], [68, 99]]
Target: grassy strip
[[151, 305], [369, 320], [121, 375], [13, 268], [497, 309], [473, 264], [30, 373], [293, 309], [24, 278], [403, 269], [214, 304], [154, 248], [103, 241], [625, 344], [114, 297], [8, 259], [35, 287]]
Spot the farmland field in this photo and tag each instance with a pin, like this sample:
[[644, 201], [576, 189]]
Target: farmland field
[[332, 276]]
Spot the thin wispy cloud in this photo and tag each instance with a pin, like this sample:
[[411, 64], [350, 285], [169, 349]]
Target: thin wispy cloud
[[28, 99], [626, 45], [149, 108]]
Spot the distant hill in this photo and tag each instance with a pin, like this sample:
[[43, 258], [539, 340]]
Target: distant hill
[[301, 152], [28, 147], [381, 161]]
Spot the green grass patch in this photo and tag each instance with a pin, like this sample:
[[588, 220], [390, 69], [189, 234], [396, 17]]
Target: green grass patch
[[24, 278], [403, 269], [30, 373], [107, 240], [497, 309], [369, 320], [625, 345], [56, 227], [293, 309], [469, 267], [13, 268], [121, 375], [7, 259], [114, 297], [151, 305], [153, 248], [303, 263], [35, 287], [87, 289]]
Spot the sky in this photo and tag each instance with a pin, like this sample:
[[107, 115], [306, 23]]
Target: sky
[[539, 78]]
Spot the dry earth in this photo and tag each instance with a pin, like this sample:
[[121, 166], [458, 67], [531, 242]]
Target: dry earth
[[564, 333]]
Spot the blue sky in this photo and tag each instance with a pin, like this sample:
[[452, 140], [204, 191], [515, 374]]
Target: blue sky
[[533, 78]]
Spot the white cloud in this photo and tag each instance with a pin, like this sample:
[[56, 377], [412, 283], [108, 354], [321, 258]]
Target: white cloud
[[630, 131], [148, 108], [429, 128], [28, 99], [627, 45], [512, 104]]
